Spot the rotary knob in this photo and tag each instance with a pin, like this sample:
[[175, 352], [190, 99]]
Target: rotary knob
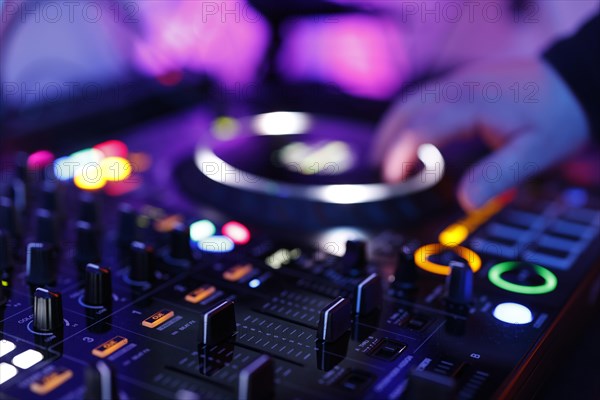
[[127, 229], [98, 286], [88, 208], [8, 218], [179, 243], [143, 262], [47, 311], [41, 264], [459, 286], [6, 260], [354, 260], [87, 249], [47, 226], [406, 269]]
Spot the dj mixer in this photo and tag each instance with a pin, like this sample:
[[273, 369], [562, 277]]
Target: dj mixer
[[132, 288]]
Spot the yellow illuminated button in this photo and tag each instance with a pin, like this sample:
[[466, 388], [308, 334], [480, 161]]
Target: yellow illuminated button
[[423, 253], [454, 235], [158, 318], [115, 169], [110, 346], [237, 272], [90, 180], [48, 383], [200, 293]]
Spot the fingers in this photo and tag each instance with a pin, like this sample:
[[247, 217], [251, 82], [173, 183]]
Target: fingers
[[392, 124], [520, 159], [400, 136]]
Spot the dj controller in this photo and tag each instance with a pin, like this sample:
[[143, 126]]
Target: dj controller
[[134, 288]]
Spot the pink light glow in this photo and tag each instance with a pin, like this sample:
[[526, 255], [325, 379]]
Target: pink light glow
[[363, 55], [227, 43], [113, 148], [40, 159], [236, 232]]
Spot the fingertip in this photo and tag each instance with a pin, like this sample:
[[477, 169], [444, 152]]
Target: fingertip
[[471, 195], [398, 159]]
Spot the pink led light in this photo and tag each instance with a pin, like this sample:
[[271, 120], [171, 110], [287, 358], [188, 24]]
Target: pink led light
[[113, 148], [40, 159], [236, 232], [362, 55], [226, 40]]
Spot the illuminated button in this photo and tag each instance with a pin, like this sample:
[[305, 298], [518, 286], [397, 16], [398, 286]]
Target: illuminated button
[[453, 235], [236, 232], [216, 244], [237, 272], [110, 346], [7, 372], [158, 318], [201, 230], [39, 160], [200, 293], [6, 346], [513, 313], [27, 359], [113, 148], [423, 253], [90, 180], [495, 275], [63, 169], [115, 169], [48, 383]]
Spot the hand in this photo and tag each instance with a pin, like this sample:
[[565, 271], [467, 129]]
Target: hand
[[522, 108]]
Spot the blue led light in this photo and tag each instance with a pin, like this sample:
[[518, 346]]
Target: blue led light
[[216, 244], [575, 197], [64, 169], [254, 283], [513, 313]]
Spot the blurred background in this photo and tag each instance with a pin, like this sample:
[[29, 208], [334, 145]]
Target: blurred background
[[66, 63]]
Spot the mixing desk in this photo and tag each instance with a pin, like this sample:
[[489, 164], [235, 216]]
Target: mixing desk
[[120, 287]]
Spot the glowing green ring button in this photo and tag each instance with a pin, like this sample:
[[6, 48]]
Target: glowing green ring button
[[496, 272]]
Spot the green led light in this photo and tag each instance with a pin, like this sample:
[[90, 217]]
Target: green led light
[[496, 272]]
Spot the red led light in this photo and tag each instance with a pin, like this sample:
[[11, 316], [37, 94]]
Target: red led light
[[39, 159], [236, 232], [113, 148]]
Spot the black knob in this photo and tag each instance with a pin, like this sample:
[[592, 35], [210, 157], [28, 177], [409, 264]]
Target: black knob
[[127, 225], [217, 324], [49, 196], [87, 247], [88, 208], [179, 243], [47, 226], [6, 260], [143, 262], [460, 283], [334, 320], [100, 382], [98, 286], [8, 218], [256, 380], [41, 265], [406, 269], [367, 295], [354, 260], [47, 311]]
